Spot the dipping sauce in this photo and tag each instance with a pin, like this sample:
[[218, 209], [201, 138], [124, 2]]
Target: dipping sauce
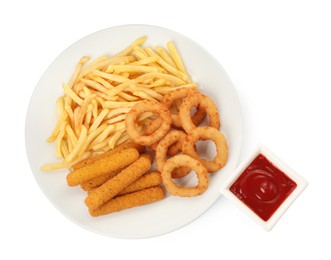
[[263, 187]]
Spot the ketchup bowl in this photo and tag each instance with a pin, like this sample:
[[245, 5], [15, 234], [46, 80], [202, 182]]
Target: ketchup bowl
[[264, 187]]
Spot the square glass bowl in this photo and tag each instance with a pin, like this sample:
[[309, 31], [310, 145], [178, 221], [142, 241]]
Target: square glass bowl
[[263, 187]]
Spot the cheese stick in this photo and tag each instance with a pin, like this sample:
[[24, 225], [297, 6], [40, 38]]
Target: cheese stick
[[96, 182], [112, 187], [146, 181], [121, 147], [130, 200], [103, 166]]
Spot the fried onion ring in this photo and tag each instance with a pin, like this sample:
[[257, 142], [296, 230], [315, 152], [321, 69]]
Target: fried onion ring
[[168, 100], [180, 161], [179, 94], [207, 133], [172, 149], [153, 125], [175, 148], [140, 108], [203, 102], [172, 138]]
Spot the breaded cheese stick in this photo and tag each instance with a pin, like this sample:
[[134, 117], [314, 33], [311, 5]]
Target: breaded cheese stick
[[96, 182], [121, 147], [130, 200], [112, 187], [146, 181], [148, 155], [103, 166]]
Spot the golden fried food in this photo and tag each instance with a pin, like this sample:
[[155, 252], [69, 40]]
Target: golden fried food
[[149, 156], [146, 181], [180, 161], [112, 187], [175, 148], [169, 100], [96, 182], [115, 107], [103, 166], [207, 133], [172, 149], [121, 147], [100, 92], [135, 199], [171, 138], [138, 110], [179, 94], [203, 102]]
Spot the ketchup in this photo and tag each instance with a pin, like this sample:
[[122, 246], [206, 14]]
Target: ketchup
[[263, 187]]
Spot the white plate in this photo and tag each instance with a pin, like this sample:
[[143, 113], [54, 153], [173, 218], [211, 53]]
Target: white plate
[[156, 218]]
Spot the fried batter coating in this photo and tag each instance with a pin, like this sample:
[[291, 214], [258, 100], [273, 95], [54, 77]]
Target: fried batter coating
[[149, 156], [146, 181], [121, 147], [103, 166], [130, 200], [173, 137], [96, 182], [139, 109], [179, 161], [112, 187], [203, 102], [169, 100], [179, 94], [207, 133]]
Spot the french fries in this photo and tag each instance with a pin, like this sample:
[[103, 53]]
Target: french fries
[[100, 92]]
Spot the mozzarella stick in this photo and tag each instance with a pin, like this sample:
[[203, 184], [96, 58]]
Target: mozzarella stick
[[96, 182], [148, 156], [130, 200], [103, 166], [146, 181], [112, 187], [121, 147]]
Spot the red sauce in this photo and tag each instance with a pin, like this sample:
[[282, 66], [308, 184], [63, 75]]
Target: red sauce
[[263, 187]]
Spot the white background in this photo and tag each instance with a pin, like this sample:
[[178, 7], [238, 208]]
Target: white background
[[278, 54]]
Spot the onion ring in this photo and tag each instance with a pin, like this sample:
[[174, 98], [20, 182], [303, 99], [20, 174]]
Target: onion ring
[[178, 94], [168, 100], [153, 125], [175, 148], [205, 103], [179, 161], [207, 133], [172, 138], [140, 108], [172, 149]]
